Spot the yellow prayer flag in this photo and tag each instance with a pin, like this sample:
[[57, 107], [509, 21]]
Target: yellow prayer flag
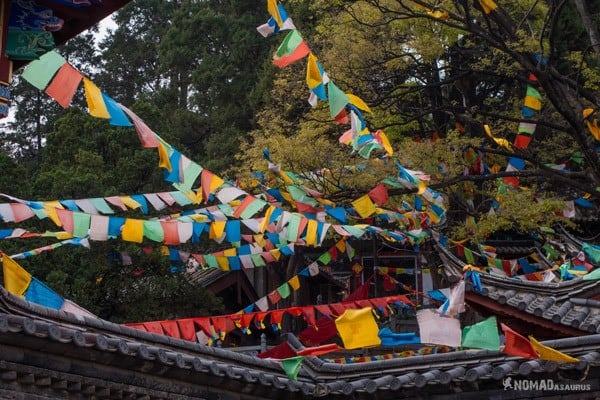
[[358, 102], [313, 75], [594, 129], [488, 5], [260, 240], [276, 253], [422, 188], [311, 232], [587, 112], [95, 102], [439, 14], [550, 354], [294, 282], [231, 252], [286, 178], [533, 103], [133, 230], [287, 197], [274, 11], [341, 245], [163, 157], [16, 279], [216, 229], [223, 262], [129, 202], [364, 206], [358, 328], [265, 222], [53, 215]]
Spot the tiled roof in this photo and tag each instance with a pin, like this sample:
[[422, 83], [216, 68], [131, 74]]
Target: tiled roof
[[44, 349]]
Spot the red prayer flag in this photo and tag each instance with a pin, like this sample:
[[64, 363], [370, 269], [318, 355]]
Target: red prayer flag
[[64, 85], [170, 328], [342, 117], [517, 345], [171, 232], [319, 350], [154, 327], [281, 351], [379, 194], [323, 330], [187, 329], [522, 141], [309, 315]]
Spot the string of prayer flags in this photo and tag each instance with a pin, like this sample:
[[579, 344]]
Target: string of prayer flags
[[21, 283], [316, 79], [292, 49]]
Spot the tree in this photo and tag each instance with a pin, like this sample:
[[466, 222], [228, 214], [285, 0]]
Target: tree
[[435, 75]]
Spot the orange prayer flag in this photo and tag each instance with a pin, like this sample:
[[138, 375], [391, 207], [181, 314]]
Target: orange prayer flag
[[64, 85]]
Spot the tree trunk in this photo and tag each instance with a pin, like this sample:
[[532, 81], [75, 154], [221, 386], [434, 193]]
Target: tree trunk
[[588, 23]]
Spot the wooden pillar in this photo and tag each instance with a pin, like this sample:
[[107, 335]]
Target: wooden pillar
[[5, 63]]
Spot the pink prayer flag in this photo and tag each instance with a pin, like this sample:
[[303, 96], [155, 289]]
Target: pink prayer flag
[[145, 134], [116, 201], [21, 212], [64, 85], [66, 219], [167, 198]]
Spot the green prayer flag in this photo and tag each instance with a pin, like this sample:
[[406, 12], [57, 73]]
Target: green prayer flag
[[592, 252], [101, 205], [531, 91], [594, 275], [354, 231], [211, 261], [257, 260], [292, 228], [153, 231], [180, 198], [299, 194], [325, 258], [482, 335], [81, 224], [469, 256], [253, 208], [365, 151], [291, 366], [40, 72], [284, 290], [191, 172], [337, 99]]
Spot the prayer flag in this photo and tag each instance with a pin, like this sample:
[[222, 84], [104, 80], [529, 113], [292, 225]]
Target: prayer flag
[[16, 279], [488, 6], [517, 345], [145, 134], [364, 206], [291, 366], [117, 116], [437, 329], [64, 85], [391, 339], [133, 230], [315, 77], [337, 99], [358, 328], [39, 293], [550, 354], [482, 335], [95, 101], [292, 49], [39, 72]]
